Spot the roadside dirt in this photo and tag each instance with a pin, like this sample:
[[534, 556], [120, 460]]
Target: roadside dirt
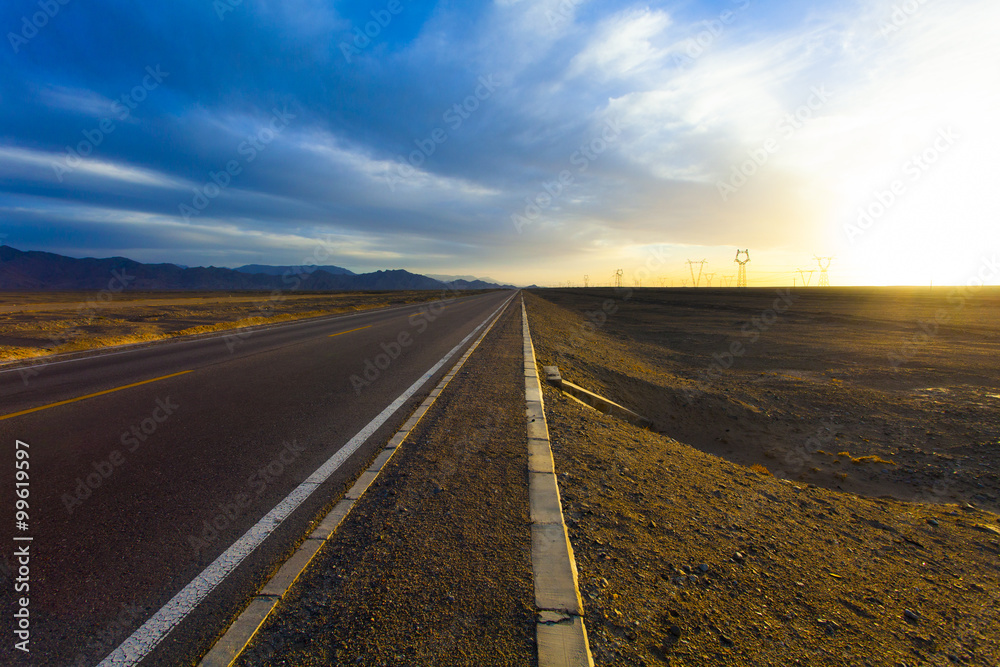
[[687, 558], [433, 566], [34, 324]]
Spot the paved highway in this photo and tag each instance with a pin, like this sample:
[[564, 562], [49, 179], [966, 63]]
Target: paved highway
[[147, 464]]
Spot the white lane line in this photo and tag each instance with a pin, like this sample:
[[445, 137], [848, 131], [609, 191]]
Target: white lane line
[[142, 642], [198, 338]]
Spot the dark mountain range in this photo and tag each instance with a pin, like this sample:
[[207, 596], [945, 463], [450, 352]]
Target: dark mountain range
[[283, 270], [35, 270]]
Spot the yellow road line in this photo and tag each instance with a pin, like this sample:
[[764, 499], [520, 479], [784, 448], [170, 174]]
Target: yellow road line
[[349, 331], [80, 398]]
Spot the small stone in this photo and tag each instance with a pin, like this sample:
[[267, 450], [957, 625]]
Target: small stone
[[932, 522], [693, 579], [686, 568], [604, 582], [726, 641], [739, 556], [675, 631], [911, 616], [703, 567]]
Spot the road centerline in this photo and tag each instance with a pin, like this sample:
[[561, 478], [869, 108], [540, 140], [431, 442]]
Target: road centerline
[[341, 333], [99, 393]]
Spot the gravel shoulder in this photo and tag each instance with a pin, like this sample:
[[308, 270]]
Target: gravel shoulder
[[433, 564], [687, 558]]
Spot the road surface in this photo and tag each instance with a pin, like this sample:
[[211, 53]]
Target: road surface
[[147, 464]]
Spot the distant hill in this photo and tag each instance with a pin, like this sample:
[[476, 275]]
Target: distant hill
[[35, 270], [283, 270], [445, 278]]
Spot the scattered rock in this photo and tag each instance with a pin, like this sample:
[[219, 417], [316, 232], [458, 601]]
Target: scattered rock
[[911, 616]]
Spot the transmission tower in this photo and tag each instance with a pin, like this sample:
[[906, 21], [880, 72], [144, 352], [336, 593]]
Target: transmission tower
[[586, 281], [708, 278], [728, 280], [824, 277], [701, 267], [618, 277], [805, 280], [741, 279], [684, 282]]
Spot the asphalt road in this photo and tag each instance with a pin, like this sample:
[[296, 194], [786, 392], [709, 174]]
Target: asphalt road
[[133, 492]]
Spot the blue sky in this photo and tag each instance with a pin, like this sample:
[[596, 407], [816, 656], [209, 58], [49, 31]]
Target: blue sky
[[529, 141]]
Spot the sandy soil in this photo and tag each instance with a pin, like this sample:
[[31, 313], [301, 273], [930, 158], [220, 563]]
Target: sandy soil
[[687, 558], [34, 324], [433, 565], [848, 389]]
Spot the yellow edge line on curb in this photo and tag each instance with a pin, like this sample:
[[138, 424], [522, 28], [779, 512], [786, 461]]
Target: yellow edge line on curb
[[561, 634], [349, 331], [99, 393], [238, 636]]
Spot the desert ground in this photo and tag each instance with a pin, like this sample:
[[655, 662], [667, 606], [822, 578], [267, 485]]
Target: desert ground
[[34, 324], [890, 391], [824, 494]]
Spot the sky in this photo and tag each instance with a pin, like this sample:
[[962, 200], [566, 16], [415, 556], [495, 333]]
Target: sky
[[534, 141]]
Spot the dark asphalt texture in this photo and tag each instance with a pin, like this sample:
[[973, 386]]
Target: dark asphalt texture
[[252, 422], [433, 565]]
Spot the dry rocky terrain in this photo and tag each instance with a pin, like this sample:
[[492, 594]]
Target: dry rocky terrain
[[690, 556]]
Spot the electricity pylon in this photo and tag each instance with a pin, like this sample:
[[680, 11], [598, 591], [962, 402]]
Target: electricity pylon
[[741, 279], [684, 282], [806, 281], [728, 280], [708, 278], [618, 277], [586, 281], [697, 281], [824, 277]]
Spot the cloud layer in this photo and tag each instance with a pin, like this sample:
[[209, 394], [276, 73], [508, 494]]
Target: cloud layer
[[533, 141]]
